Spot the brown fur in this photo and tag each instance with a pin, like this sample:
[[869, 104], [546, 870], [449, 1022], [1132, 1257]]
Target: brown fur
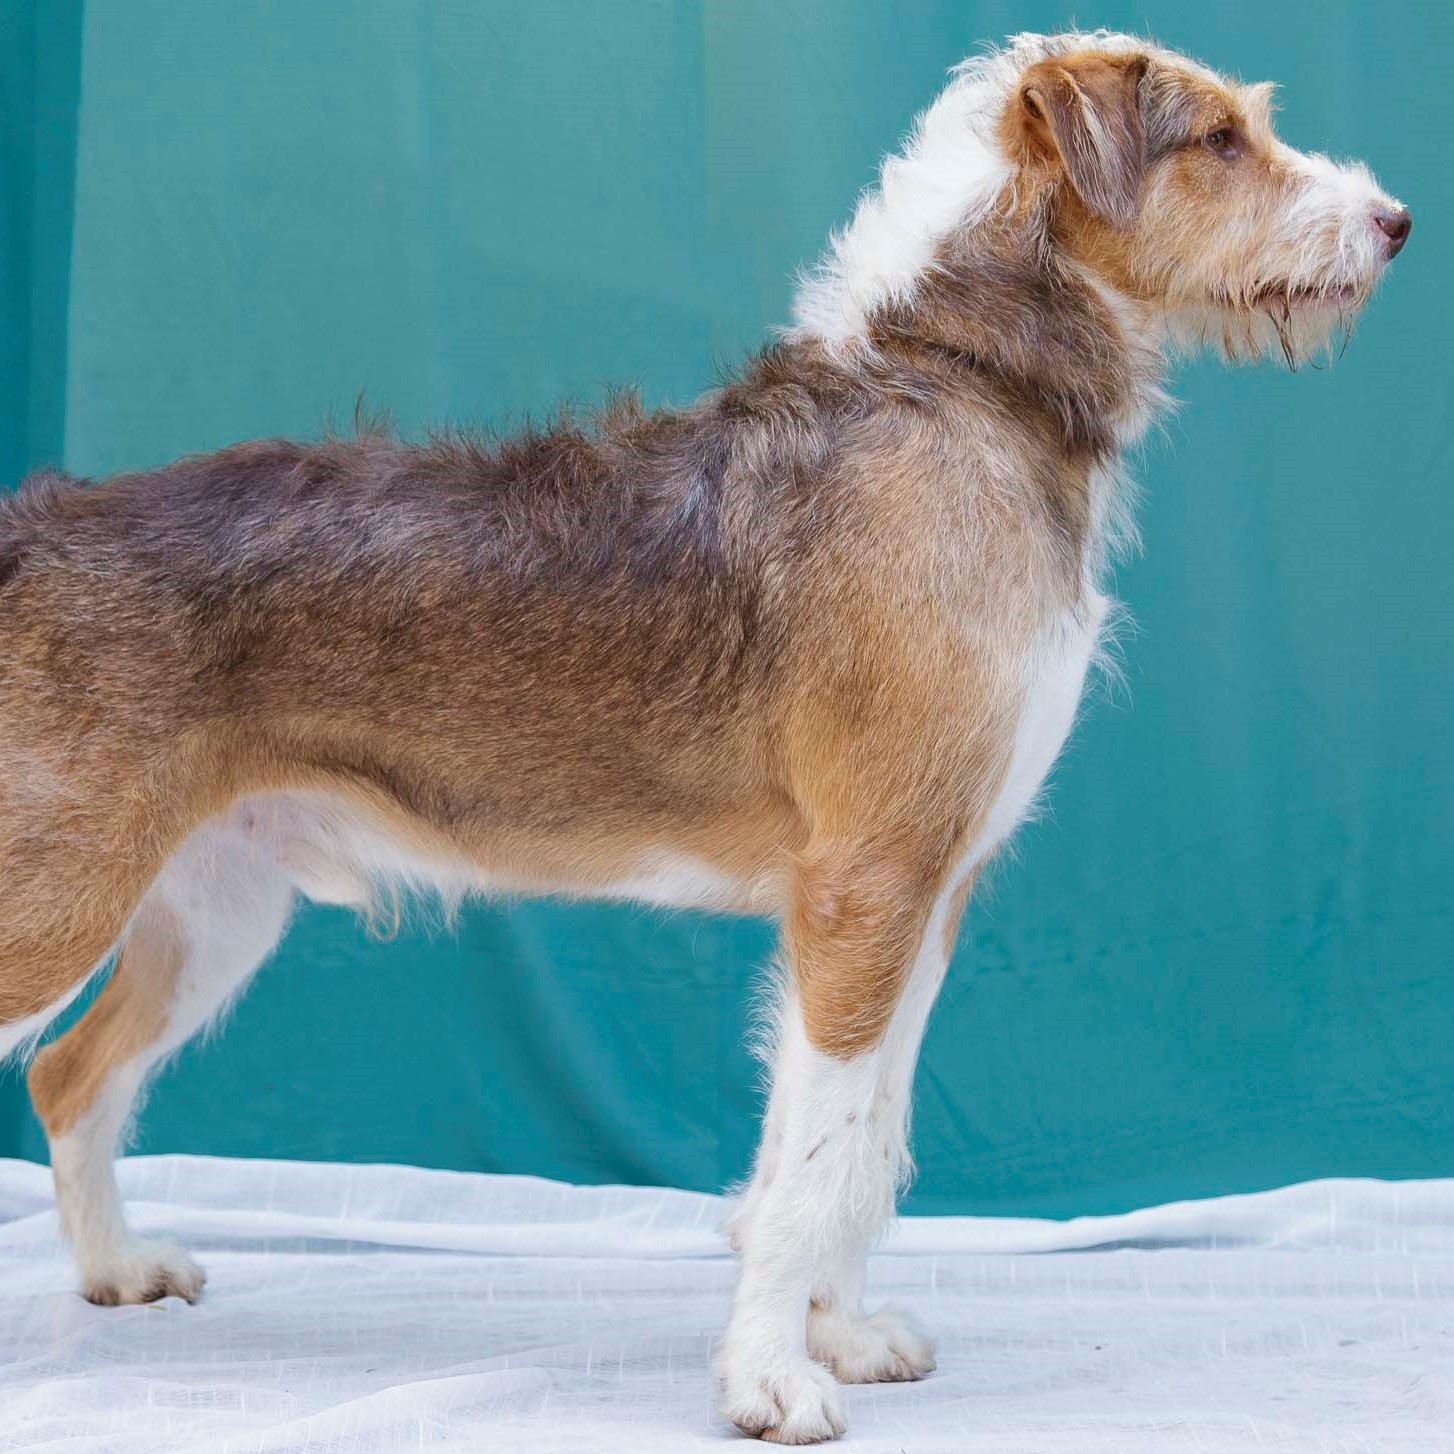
[[433, 626], [1082, 113]]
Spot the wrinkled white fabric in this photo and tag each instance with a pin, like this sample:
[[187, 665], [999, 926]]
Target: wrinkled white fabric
[[382, 1308]]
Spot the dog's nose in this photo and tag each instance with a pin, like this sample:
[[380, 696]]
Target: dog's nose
[[1394, 223]]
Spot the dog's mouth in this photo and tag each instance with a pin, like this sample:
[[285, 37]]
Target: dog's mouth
[[1301, 317], [1283, 298]]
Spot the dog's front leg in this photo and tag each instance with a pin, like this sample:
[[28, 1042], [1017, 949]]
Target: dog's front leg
[[884, 1347], [825, 1188], [822, 1199]]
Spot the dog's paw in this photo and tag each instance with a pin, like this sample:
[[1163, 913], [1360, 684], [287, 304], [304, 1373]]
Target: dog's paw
[[738, 1226], [794, 1403], [145, 1272], [882, 1349]]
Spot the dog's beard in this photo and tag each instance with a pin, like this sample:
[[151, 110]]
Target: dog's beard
[[1295, 323], [1310, 326]]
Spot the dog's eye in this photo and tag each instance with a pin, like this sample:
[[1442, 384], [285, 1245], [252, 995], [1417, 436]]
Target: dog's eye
[[1223, 142]]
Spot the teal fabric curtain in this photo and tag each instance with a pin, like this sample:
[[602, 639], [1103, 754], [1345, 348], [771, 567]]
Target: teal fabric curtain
[[1220, 961]]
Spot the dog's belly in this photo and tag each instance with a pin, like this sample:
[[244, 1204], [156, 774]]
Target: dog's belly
[[333, 856], [1056, 679], [677, 881]]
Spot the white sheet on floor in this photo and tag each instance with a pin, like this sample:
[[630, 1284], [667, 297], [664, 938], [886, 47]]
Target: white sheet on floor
[[382, 1308]]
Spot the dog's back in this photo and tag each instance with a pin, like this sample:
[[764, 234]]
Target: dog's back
[[339, 615]]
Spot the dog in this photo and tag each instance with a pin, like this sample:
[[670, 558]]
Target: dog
[[807, 647]]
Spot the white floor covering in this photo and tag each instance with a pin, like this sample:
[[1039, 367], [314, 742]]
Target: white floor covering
[[392, 1309]]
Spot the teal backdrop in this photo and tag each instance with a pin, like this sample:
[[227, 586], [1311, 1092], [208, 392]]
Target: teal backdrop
[[1220, 962]]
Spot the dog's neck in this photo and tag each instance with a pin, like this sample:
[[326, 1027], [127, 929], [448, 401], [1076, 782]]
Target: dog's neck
[[1006, 303]]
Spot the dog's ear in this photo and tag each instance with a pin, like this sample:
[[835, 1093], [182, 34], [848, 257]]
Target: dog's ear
[[1084, 112]]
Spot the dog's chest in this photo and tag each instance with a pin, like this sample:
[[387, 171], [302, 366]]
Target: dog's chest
[[1055, 673]]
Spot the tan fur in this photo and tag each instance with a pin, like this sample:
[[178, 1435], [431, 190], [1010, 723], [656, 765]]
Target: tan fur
[[952, 920], [129, 1014]]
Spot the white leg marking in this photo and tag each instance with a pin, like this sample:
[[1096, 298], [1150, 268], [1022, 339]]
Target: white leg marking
[[233, 901], [830, 1191], [738, 1227], [116, 1266]]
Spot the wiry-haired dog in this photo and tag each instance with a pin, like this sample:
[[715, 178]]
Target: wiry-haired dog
[[807, 647]]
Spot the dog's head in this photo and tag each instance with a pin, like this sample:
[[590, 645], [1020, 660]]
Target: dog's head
[[1111, 155], [1169, 183]]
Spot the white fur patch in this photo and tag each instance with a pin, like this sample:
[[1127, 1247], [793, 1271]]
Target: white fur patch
[[334, 856], [116, 1266], [947, 176], [1056, 674], [827, 1191], [676, 881]]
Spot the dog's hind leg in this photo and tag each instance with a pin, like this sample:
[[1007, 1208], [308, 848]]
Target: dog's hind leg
[[211, 917], [864, 924], [59, 920]]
